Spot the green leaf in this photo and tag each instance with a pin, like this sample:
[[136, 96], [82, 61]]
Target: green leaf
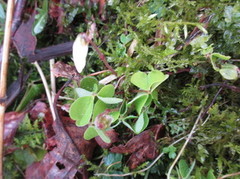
[[110, 100], [171, 150], [115, 115], [123, 108], [202, 29], [139, 95], [140, 102], [2, 12], [90, 133], [99, 108], [229, 71], [140, 79], [141, 123], [222, 57], [89, 83], [113, 160], [41, 19], [107, 91], [155, 78], [82, 92], [210, 174], [128, 125], [183, 168], [190, 170], [32, 92], [125, 39], [103, 136], [152, 80], [81, 110]]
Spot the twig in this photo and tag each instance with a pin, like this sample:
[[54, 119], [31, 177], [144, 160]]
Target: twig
[[229, 175], [200, 116], [139, 171], [98, 73], [53, 79], [3, 77], [224, 85], [185, 144], [101, 56], [46, 89]]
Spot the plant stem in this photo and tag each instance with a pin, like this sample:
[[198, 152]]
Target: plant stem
[[185, 144], [53, 79], [46, 89], [229, 175], [3, 77]]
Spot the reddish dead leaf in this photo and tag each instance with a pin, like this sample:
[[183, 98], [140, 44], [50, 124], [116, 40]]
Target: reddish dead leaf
[[56, 12], [112, 134], [141, 147], [23, 39], [11, 122], [68, 146], [39, 110], [61, 69]]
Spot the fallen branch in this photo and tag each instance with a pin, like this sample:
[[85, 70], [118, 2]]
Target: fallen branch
[[51, 52]]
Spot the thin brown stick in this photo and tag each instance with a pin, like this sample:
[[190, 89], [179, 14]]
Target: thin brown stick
[[224, 85], [3, 77], [98, 73], [229, 175], [101, 56]]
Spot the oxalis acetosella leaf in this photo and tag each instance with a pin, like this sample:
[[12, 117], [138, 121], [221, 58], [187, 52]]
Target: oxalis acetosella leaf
[[148, 81]]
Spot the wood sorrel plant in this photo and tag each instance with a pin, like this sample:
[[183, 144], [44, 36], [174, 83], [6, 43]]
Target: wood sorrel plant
[[96, 105], [93, 108]]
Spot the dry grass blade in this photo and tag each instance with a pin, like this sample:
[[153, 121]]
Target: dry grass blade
[[3, 78]]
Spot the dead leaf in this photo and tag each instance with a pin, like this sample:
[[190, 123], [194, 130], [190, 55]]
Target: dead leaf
[[57, 12], [142, 147], [67, 146], [64, 70], [23, 39], [112, 134], [39, 110], [11, 122]]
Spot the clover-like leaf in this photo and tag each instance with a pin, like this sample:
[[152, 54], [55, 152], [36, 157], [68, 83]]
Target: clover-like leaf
[[81, 110], [107, 91], [141, 123], [90, 133], [140, 79], [99, 107], [229, 71], [82, 92], [155, 78], [110, 100], [89, 83], [103, 136]]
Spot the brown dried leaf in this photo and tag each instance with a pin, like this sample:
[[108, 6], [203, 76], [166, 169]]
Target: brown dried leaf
[[61, 69], [23, 39], [142, 147], [11, 122], [67, 147]]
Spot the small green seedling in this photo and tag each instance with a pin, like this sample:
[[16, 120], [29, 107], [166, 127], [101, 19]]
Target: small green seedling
[[146, 83], [93, 108]]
